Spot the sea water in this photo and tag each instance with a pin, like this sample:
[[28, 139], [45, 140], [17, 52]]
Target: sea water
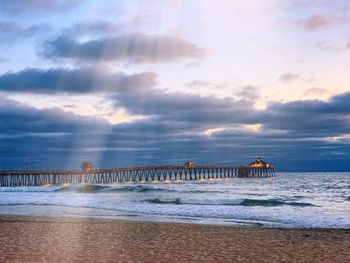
[[289, 200]]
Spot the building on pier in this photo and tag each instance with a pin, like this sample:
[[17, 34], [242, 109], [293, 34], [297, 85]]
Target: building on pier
[[189, 165], [86, 167], [259, 163]]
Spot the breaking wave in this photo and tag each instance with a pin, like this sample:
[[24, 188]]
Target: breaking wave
[[92, 188], [106, 188], [272, 202], [239, 202], [176, 201], [140, 189]]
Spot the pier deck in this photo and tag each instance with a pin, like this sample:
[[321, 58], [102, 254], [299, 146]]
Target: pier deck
[[130, 174]]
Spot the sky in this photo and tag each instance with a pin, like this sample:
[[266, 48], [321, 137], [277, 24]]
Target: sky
[[151, 82]]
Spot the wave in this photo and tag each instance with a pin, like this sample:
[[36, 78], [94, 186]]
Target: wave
[[30, 189], [139, 189], [63, 189], [91, 188], [272, 202], [176, 201], [200, 191], [239, 202]]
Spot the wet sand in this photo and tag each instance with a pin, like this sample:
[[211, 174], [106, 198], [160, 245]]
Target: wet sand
[[39, 239]]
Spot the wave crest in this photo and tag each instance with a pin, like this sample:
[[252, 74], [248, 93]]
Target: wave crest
[[176, 201], [92, 188], [271, 202], [239, 202]]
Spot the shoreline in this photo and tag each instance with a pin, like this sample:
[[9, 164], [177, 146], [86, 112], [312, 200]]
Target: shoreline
[[72, 218], [62, 239]]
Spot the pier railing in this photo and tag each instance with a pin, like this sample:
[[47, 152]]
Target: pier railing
[[130, 174]]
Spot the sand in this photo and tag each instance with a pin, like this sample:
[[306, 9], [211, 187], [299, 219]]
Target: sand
[[38, 239]]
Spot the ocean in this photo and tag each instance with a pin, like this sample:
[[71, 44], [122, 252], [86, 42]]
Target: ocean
[[300, 200]]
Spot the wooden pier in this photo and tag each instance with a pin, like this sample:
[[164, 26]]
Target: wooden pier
[[131, 174]]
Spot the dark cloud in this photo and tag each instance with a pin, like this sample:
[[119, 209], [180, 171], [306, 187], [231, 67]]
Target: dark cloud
[[81, 80], [310, 118], [10, 31], [137, 48], [297, 119], [136, 93], [174, 127], [180, 107], [36, 6], [17, 119], [27, 133], [293, 135], [289, 77]]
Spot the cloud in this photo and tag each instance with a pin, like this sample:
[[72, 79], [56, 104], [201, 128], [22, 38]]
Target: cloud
[[289, 77], [19, 119], [186, 113], [296, 119], [36, 6], [315, 92], [4, 60], [293, 135], [94, 28], [136, 48], [10, 31], [191, 110], [191, 113], [250, 93], [315, 22], [28, 134], [325, 45], [136, 93], [310, 118], [82, 80]]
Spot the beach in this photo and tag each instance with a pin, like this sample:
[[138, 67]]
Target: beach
[[49, 239]]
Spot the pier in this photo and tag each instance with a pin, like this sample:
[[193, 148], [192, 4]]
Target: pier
[[88, 175]]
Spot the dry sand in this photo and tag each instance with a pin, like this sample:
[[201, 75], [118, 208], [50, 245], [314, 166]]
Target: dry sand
[[29, 239]]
